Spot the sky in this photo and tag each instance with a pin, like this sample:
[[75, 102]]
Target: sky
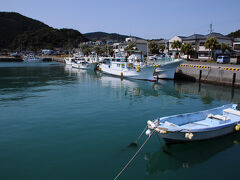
[[149, 19]]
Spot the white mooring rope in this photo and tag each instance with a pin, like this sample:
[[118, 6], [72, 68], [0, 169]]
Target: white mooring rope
[[134, 156]]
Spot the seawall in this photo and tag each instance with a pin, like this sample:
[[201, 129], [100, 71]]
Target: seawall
[[210, 73]]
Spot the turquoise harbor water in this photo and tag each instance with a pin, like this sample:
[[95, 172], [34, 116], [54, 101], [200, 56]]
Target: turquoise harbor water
[[62, 123]]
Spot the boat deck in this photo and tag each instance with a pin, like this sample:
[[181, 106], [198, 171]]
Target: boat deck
[[206, 123], [227, 117]]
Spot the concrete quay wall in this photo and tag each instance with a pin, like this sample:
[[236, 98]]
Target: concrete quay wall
[[222, 75]]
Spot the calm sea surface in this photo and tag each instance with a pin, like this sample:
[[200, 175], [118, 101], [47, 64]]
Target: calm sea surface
[[62, 123]]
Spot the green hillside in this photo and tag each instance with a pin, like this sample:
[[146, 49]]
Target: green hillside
[[48, 38], [103, 36], [235, 34], [18, 31]]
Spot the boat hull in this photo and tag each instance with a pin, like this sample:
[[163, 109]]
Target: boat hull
[[90, 66], [145, 73], [179, 137], [167, 70]]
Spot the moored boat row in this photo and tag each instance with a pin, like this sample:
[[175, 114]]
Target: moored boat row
[[127, 68]]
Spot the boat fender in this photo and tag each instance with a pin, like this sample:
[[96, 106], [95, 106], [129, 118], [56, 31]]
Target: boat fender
[[163, 132], [148, 132], [121, 74], [151, 124], [237, 127], [138, 68], [190, 136]]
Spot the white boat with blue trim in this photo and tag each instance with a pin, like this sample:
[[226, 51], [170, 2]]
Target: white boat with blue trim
[[81, 63], [122, 68], [198, 125], [166, 67]]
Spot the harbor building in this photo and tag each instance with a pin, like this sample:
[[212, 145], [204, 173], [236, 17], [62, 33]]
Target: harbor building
[[174, 51], [198, 41], [141, 45]]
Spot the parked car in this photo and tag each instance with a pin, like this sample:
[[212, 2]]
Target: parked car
[[235, 59], [223, 59]]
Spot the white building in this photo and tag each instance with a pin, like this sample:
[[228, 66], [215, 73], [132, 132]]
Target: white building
[[198, 41], [236, 44], [130, 39], [119, 49], [141, 45], [172, 51]]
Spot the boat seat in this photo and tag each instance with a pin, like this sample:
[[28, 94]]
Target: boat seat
[[219, 117], [170, 124], [232, 111]]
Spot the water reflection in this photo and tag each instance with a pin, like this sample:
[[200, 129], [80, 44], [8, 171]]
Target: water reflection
[[19, 81], [176, 89], [208, 92], [126, 86], [178, 156]]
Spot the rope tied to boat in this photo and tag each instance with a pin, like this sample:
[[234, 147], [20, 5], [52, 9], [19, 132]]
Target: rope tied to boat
[[134, 155]]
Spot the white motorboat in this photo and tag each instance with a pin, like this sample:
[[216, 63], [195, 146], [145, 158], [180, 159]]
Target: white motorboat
[[166, 67], [69, 60], [81, 63], [120, 67], [198, 125], [32, 58]]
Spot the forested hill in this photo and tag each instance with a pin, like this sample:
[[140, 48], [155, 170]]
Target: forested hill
[[18, 31], [103, 36], [235, 34]]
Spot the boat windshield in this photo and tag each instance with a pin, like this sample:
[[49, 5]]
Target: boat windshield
[[119, 60]]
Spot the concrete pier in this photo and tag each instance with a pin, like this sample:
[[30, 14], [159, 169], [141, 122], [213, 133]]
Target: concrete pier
[[210, 73]]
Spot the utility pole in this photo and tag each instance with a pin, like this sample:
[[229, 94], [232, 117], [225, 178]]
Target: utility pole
[[211, 29]]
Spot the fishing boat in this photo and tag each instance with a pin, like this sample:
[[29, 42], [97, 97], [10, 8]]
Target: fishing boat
[[32, 58], [122, 68], [69, 60], [81, 63], [197, 126], [166, 67]]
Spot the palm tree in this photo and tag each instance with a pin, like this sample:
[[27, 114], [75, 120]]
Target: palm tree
[[187, 49], [153, 48], [225, 47], [131, 46], [176, 45], [161, 47], [212, 44]]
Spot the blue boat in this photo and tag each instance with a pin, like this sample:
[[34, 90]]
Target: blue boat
[[197, 126]]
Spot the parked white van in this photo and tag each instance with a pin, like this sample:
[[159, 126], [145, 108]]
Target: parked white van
[[223, 59]]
